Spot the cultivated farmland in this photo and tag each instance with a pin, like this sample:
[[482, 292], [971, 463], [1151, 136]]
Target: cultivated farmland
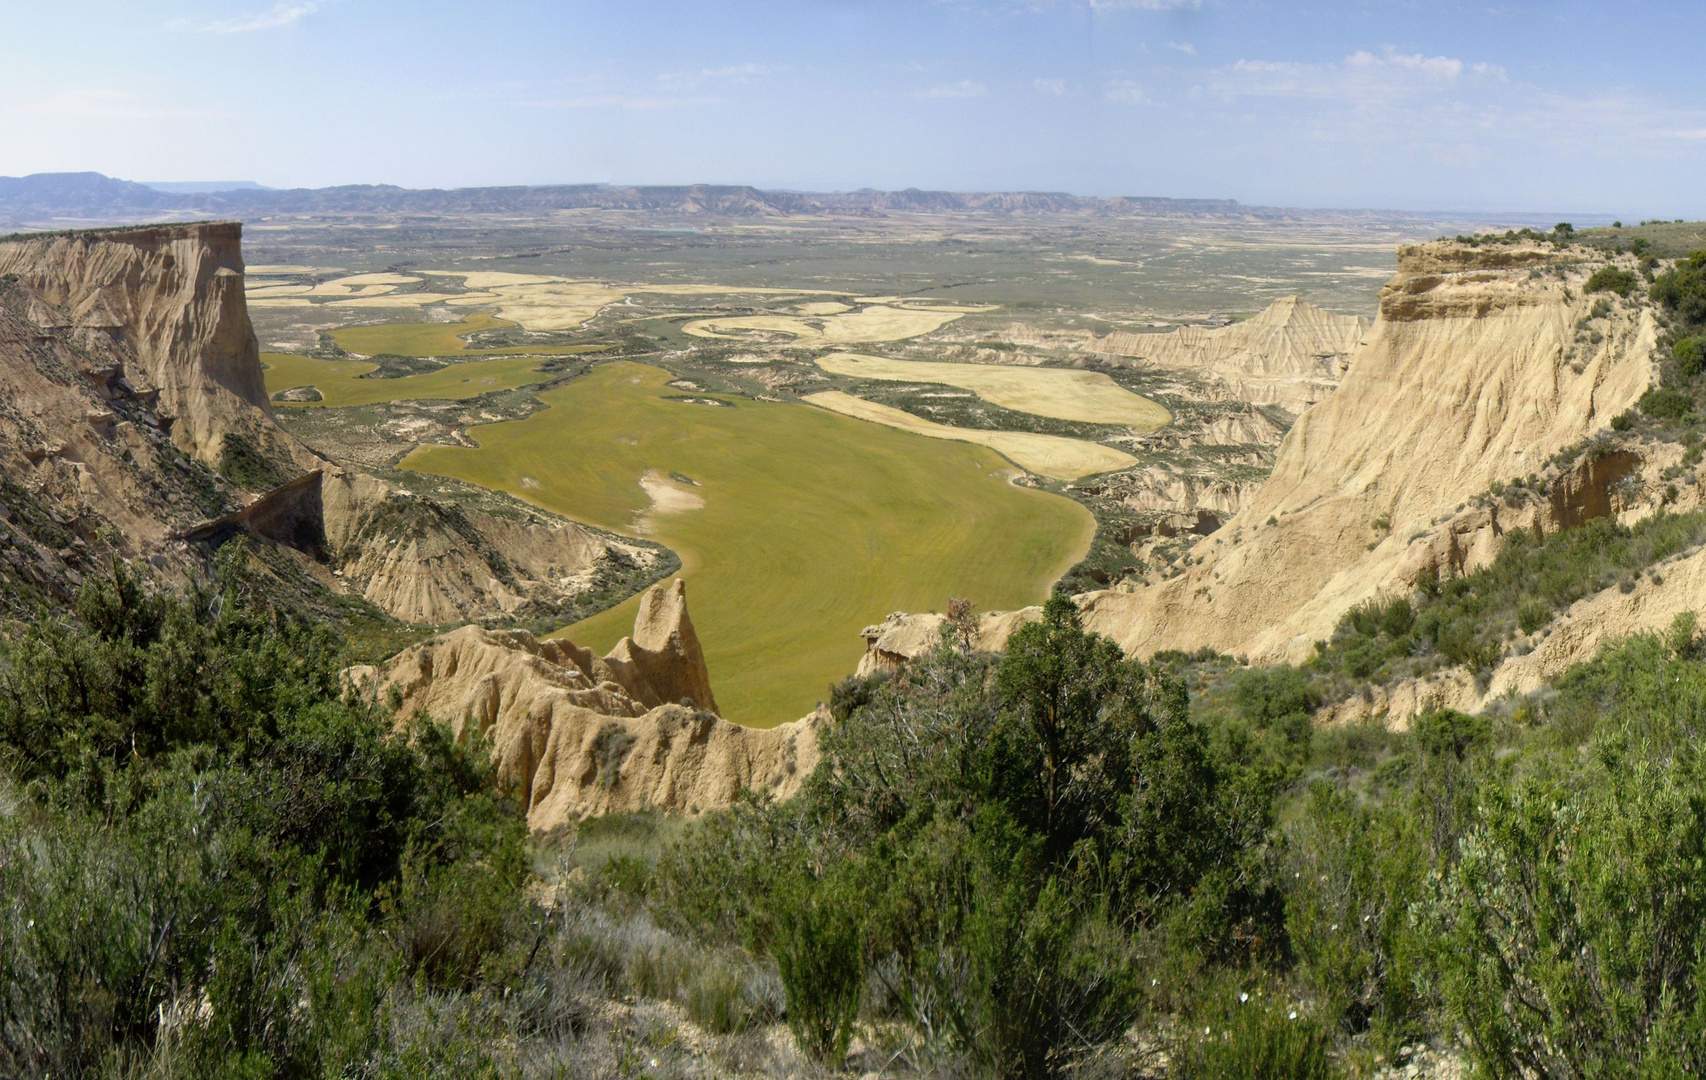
[[1063, 393], [1046, 455], [340, 382], [812, 524]]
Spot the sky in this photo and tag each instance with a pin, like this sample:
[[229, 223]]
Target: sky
[[1565, 105]]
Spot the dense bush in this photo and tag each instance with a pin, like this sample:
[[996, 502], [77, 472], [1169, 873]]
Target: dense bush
[[217, 863], [1611, 279], [1573, 922], [1470, 620], [1681, 290], [1012, 836], [211, 850], [1666, 404]]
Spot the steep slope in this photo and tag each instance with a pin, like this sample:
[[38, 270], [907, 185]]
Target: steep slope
[[170, 299], [133, 391], [88, 470], [1482, 364], [579, 734], [1291, 354]]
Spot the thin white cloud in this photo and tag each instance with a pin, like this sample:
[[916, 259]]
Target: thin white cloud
[[965, 88], [1362, 78], [1146, 5], [93, 104], [1455, 112], [735, 73], [280, 14], [1051, 87], [631, 102], [1124, 92], [1183, 46]]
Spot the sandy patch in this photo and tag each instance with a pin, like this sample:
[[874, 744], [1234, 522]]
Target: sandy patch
[[362, 285], [1045, 455], [669, 496], [414, 299], [822, 307], [1062, 393], [258, 292], [290, 268], [878, 322]]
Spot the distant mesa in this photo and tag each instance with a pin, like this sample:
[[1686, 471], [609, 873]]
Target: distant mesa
[[202, 187], [46, 197]]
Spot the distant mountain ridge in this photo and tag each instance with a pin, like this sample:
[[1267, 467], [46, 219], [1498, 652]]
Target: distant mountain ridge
[[43, 198]]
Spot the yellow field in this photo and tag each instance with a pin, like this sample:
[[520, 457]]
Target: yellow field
[[874, 323], [811, 526], [440, 339], [340, 382], [1062, 393], [1045, 455]]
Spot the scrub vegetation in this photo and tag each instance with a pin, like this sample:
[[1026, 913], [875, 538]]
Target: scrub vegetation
[[340, 383], [1056, 861]]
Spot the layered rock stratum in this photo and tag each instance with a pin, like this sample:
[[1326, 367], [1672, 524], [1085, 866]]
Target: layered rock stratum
[[128, 373], [1474, 372], [1290, 354], [1484, 363], [577, 734]]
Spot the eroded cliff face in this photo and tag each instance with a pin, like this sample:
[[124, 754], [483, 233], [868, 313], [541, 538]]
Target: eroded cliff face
[[168, 298], [1482, 364], [1290, 354], [127, 360], [577, 734]]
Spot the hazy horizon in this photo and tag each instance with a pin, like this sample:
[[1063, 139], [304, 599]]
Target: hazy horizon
[[1576, 107]]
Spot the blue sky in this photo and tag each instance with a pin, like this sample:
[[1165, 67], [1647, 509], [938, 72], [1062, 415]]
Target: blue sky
[[1591, 107]]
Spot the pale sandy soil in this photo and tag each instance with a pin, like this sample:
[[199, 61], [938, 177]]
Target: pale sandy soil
[[1062, 393], [1045, 455], [668, 497], [875, 323]]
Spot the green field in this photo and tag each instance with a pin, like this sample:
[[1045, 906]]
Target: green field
[[813, 525], [440, 339], [341, 384]]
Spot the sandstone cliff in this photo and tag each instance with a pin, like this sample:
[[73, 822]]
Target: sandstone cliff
[[578, 734], [1482, 364], [169, 299], [128, 364], [88, 470], [1291, 354]]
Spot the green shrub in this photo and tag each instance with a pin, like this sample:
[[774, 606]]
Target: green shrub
[[1611, 279], [1532, 614], [1254, 1038], [1690, 354], [1573, 926], [819, 953], [1355, 872], [1666, 404], [1681, 290]]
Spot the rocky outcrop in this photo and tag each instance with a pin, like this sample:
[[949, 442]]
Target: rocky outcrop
[[1483, 364], [167, 301], [1291, 354], [427, 561], [124, 350], [902, 637], [578, 734], [88, 468]]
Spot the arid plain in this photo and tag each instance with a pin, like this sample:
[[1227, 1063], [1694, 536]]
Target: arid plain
[[827, 419]]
